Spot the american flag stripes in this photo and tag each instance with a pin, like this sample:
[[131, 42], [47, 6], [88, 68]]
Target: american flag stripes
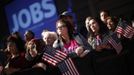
[[67, 68], [60, 59], [115, 42], [124, 29]]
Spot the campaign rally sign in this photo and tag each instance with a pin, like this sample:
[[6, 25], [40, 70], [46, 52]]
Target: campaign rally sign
[[35, 15]]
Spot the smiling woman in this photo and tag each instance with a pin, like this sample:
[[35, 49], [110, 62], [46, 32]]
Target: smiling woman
[[68, 28], [74, 45]]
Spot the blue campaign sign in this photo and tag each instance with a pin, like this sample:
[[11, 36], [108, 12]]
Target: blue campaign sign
[[35, 15]]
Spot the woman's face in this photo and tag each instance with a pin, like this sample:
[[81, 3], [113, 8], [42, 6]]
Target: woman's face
[[31, 45], [110, 24], [94, 26], [12, 48], [103, 16], [32, 48], [61, 29], [87, 23]]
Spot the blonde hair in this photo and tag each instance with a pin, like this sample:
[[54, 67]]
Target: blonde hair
[[48, 33]]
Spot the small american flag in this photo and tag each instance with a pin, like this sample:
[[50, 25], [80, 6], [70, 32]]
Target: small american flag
[[124, 29], [60, 59], [115, 42]]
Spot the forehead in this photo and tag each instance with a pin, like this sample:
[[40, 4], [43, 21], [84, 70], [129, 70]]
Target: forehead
[[31, 42], [87, 20], [108, 19], [46, 34], [92, 21], [60, 23], [11, 44], [103, 13]]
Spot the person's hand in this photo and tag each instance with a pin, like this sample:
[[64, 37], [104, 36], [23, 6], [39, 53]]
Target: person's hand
[[10, 70], [41, 65], [84, 53], [79, 50], [98, 48], [102, 46]]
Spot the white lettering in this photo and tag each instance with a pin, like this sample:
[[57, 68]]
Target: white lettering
[[49, 7], [16, 27], [24, 18], [36, 13]]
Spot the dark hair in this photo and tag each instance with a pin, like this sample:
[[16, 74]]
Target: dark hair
[[11, 39], [66, 14], [114, 19], [31, 32], [19, 41], [69, 26], [12, 43], [105, 10], [102, 27]]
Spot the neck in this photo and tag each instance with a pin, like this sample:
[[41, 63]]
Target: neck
[[96, 33], [66, 38]]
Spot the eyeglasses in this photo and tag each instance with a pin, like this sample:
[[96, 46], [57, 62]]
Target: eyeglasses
[[60, 27]]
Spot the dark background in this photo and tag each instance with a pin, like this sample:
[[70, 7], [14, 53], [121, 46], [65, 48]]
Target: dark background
[[82, 9]]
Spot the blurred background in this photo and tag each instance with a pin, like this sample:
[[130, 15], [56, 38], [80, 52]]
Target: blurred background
[[21, 15]]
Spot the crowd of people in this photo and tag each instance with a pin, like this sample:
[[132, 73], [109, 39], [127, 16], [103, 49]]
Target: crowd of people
[[106, 50]]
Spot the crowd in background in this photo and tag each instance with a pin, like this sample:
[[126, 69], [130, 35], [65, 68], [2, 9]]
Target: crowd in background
[[106, 50]]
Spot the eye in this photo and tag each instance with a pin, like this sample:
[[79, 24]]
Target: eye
[[60, 27]]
